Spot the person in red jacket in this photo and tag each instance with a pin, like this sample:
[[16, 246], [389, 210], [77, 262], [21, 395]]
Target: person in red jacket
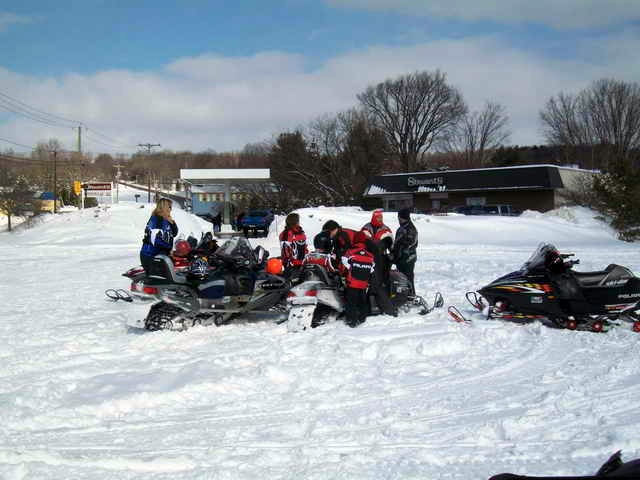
[[379, 243], [293, 244], [377, 231], [357, 266], [341, 238]]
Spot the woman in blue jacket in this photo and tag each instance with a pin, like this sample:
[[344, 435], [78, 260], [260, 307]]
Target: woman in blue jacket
[[158, 234]]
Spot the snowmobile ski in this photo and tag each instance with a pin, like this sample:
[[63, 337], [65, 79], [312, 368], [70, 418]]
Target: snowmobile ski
[[118, 294], [457, 316]]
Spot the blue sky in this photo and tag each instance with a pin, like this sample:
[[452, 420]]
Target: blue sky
[[296, 58]]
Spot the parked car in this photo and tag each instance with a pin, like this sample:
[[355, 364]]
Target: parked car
[[502, 210], [256, 220]]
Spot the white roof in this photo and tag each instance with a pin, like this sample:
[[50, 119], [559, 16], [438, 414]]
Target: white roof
[[216, 174]]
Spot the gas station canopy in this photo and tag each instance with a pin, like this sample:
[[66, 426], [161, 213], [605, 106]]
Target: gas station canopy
[[203, 176]]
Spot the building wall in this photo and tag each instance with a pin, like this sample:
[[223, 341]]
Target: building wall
[[541, 200], [200, 207]]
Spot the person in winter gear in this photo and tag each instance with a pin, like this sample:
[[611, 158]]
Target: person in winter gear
[[158, 234], [404, 249], [322, 242], [377, 231], [293, 243], [342, 238], [357, 266], [379, 243]]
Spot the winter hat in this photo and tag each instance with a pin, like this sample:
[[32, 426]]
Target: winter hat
[[376, 218], [330, 225], [405, 214]]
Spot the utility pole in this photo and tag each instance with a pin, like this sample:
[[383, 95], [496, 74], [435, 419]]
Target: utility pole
[[149, 146], [55, 180], [118, 166], [79, 127]]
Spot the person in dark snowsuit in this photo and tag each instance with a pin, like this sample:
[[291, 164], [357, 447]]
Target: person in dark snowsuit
[[405, 246], [159, 233]]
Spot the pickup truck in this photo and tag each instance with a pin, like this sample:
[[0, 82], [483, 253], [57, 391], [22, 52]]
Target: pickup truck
[[256, 220]]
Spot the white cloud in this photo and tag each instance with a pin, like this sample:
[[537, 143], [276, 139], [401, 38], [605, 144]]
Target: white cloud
[[7, 19], [223, 103], [557, 13]]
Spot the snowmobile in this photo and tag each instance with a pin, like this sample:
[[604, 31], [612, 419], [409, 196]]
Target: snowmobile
[[182, 257], [612, 469], [318, 295], [214, 290], [548, 289]]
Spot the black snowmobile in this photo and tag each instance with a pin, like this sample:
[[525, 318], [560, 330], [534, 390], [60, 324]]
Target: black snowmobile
[[214, 289], [547, 289], [612, 469]]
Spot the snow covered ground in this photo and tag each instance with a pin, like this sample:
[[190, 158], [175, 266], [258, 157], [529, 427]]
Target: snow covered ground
[[82, 397]]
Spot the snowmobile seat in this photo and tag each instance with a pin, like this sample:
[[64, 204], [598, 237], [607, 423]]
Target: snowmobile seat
[[613, 275], [162, 272]]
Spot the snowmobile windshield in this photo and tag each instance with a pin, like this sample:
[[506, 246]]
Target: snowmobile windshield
[[538, 258], [237, 248]]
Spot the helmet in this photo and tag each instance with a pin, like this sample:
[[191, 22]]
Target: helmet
[[199, 268], [376, 218], [182, 248], [322, 242], [274, 266]]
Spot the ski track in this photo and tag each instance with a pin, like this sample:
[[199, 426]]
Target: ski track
[[413, 397]]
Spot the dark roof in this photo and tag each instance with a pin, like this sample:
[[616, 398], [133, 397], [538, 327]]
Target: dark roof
[[534, 177]]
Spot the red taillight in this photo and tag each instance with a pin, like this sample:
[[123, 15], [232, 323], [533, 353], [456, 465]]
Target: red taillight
[[636, 327], [150, 290], [291, 294], [571, 324], [597, 326], [311, 293], [133, 287]]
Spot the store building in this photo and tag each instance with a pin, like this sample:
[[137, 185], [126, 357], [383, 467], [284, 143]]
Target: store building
[[533, 187]]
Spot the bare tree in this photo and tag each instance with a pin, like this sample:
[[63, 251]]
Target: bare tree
[[478, 134], [412, 111], [604, 116]]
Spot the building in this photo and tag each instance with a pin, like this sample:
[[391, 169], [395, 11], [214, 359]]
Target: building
[[534, 187], [44, 201], [210, 191]]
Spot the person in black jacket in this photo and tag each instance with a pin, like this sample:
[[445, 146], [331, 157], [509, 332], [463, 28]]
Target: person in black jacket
[[405, 245], [159, 233]]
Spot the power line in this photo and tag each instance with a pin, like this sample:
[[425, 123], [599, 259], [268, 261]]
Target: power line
[[89, 132], [12, 108], [20, 108], [29, 107], [16, 143]]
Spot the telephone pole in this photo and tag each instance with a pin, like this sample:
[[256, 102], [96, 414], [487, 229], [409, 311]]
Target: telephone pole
[[149, 146], [79, 127], [55, 180]]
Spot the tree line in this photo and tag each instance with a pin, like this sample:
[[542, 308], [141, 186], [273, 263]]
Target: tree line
[[413, 122]]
